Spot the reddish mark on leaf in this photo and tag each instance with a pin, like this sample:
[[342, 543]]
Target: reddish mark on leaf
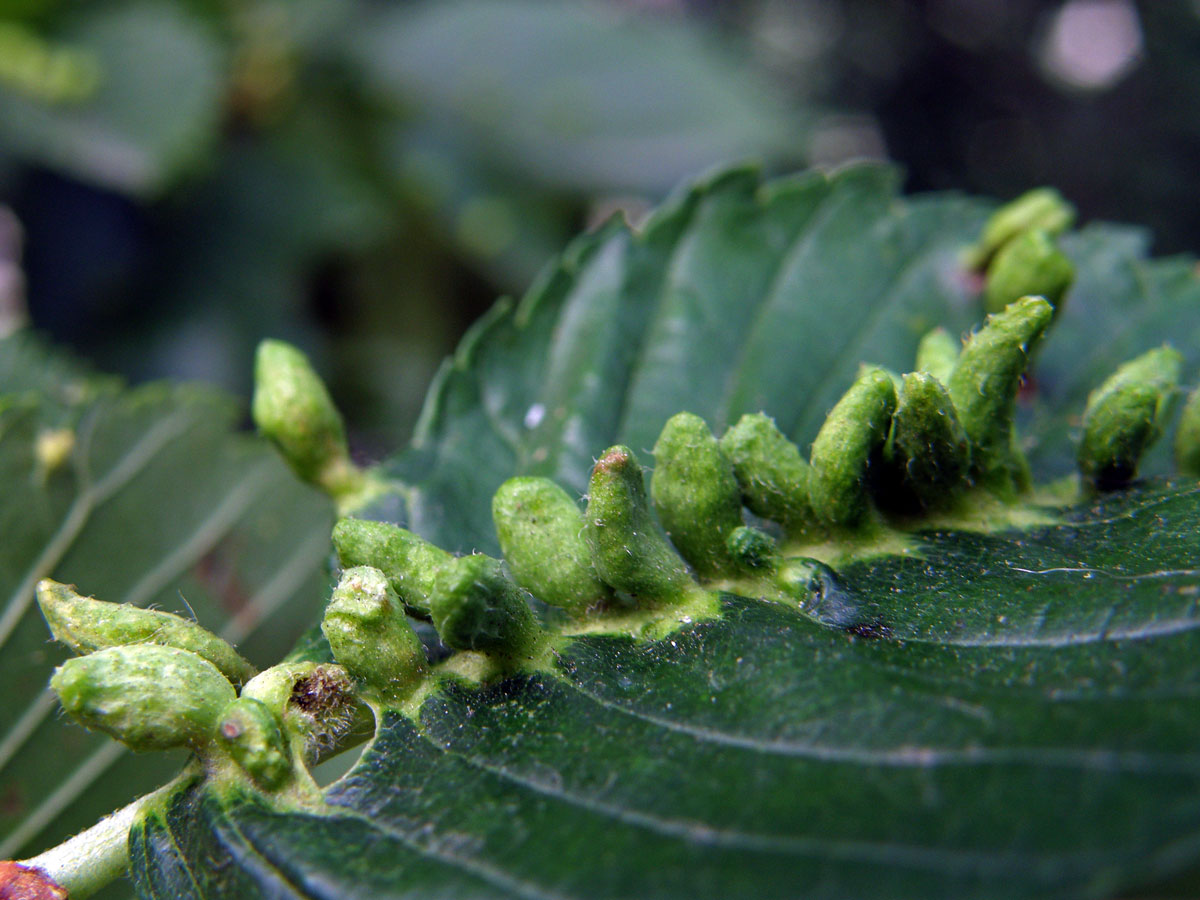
[[218, 572], [971, 281], [18, 882], [1027, 390], [12, 801]]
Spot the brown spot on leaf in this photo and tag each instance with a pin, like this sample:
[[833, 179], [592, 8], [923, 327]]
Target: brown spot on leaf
[[18, 882], [323, 690]]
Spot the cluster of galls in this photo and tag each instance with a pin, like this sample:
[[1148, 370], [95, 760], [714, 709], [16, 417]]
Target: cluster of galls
[[894, 445], [154, 680]]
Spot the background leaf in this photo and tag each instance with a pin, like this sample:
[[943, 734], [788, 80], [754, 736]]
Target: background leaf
[[972, 715], [158, 503], [575, 95], [156, 107]]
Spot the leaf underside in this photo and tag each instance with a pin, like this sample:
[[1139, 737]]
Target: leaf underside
[[156, 503], [983, 715]]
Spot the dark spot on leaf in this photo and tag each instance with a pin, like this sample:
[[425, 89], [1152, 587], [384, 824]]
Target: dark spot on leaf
[[870, 630]]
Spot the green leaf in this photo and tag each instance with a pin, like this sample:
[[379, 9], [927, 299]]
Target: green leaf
[[1003, 711], [574, 95], [154, 110], [143, 496], [976, 721]]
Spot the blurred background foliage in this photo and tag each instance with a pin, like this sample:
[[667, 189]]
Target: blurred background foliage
[[180, 179]]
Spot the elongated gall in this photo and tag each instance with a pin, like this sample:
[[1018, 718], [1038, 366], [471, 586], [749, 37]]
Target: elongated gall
[[1125, 415], [85, 625], [146, 696], [370, 636], [771, 472], [854, 431], [409, 562], [628, 549], [541, 534], [984, 384], [293, 408], [929, 446], [1042, 208], [477, 607], [937, 354], [695, 493], [1029, 265], [1187, 437]]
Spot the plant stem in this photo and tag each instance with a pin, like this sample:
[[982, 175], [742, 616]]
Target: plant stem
[[93, 858]]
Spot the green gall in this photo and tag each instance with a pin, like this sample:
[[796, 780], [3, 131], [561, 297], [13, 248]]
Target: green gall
[[85, 625], [253, 736], [628, 550], [695, 492], [293, 408], [370, 636], [1029, 265], [1187, 438], [409, 562], [928, 445], [1041, 208], [477, 607], [984, 384], [854, 431], [147, 696], [1124, 416], [752, 548], [541, 534], [937, 354], [771, 472]]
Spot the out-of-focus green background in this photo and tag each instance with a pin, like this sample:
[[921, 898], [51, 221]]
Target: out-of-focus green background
[[180, 179]]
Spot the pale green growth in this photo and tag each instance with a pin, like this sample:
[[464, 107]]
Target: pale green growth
[[85, 625], [293, 408], [695, 493], [928, 443], [53, 449], [49, 74], [628, 550], [751, 548], [937, 354], [146, 696], [1125, 415], [1042, 208], [370, 636], [253, 736], [1187, 438], [770, 470], [1029, 265], [854, 431], [477, 607], [409, 562], [541, 534], [984, 388]]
